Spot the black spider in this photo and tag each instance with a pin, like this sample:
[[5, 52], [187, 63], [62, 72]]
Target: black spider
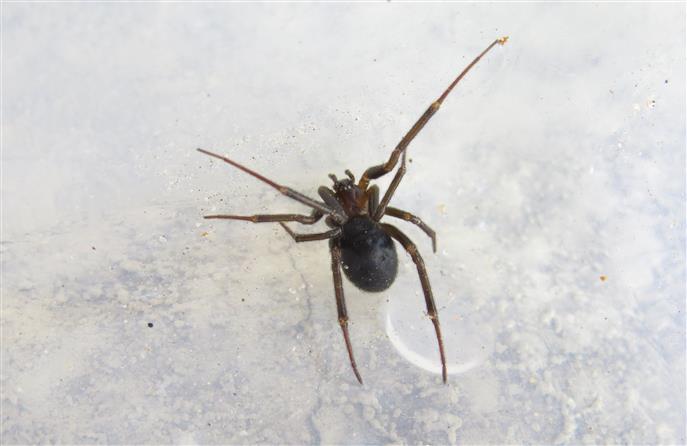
[[357, 238]]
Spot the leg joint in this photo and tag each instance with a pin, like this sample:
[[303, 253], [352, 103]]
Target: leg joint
[[412, 250]]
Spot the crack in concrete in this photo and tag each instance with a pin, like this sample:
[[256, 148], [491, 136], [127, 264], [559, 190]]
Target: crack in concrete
[[301, 328]]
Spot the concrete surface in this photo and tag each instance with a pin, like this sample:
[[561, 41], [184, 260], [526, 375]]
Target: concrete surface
[[554, 176]]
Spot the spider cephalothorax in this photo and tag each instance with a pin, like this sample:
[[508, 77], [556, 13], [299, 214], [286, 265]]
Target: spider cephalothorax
[[357, 238], [352, 198]]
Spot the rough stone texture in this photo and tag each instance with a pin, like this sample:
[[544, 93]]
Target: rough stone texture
[[554, 176]]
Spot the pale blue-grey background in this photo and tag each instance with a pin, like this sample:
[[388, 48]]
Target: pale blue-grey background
[[558, 161]]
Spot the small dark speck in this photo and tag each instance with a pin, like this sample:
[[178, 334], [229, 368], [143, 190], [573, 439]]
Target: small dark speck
[[243, 300], [150, 324], [666, 81], [93, 248], [209, 424]]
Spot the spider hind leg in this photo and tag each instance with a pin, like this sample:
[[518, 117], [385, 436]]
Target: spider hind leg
[[410, 247]]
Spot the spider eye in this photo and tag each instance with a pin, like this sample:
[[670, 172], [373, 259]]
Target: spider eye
[[343, 185]]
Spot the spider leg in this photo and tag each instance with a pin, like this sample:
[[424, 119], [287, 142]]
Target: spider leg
[[282, 189], [313, 218], [312, 237], [391, 190], [329, 198], [426, 287], [372, 199], [382, 169], [341, 302], [407, 216]]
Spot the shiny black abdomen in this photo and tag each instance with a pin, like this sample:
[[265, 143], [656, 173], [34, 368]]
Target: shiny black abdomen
[[368, 254]]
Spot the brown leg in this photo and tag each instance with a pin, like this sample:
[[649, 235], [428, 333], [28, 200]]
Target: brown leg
[[341, 303], [313, 218], [407, 216], [283, 189], [426, 287], [329, 197], [372, 199], [391, 190], [382, 169], [312, 237]]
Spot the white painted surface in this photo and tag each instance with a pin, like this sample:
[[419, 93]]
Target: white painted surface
[[559, 159]]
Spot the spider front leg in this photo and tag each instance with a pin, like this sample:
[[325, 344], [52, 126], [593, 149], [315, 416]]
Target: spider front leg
[[381, 208], [313, 218], [341, 302], [375, 172], [372, 199], [426, 287], [282, 189]]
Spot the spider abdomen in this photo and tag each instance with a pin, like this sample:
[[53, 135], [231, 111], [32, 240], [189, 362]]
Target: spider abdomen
[[368, 254]]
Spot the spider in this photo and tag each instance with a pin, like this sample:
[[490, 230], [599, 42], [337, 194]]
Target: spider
[[358, 241]]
